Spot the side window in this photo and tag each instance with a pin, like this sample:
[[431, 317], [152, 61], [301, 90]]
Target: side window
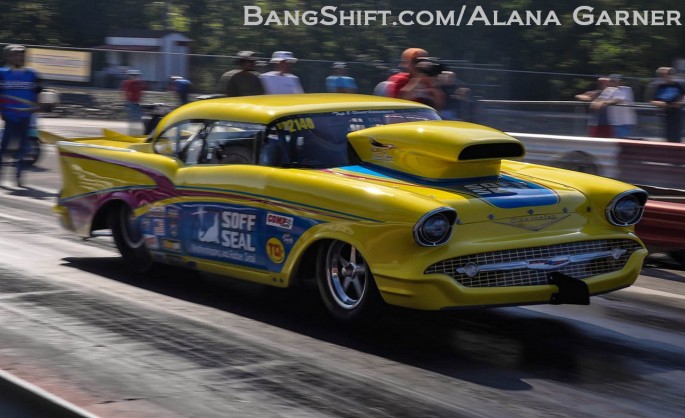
[[174, 140], [234, 142]]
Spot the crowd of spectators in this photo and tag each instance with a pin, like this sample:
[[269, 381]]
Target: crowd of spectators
[[611, 110], [422, 78], [419, 78]]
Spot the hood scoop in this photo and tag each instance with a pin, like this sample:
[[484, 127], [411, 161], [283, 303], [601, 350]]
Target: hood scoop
[[440, 150]]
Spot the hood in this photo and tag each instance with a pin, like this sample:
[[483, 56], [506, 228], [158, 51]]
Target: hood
[[476, 199], [438, 150]]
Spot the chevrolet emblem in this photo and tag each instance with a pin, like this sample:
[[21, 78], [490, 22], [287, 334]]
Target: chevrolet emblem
[[533, 223]]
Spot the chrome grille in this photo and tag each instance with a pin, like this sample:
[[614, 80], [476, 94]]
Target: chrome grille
[[525, 276]]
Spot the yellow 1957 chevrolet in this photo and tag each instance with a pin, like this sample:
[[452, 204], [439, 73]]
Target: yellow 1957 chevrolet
[[376, 199]]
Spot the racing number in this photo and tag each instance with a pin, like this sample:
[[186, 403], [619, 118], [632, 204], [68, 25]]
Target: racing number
[[296, 124]]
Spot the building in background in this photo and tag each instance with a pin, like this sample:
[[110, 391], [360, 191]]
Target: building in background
[[157, 54]]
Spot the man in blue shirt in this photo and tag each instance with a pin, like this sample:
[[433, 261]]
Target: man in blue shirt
[[181, 86], [339, 81], [668, 95], [19, 88]]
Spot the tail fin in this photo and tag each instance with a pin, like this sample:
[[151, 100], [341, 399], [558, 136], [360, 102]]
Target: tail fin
[[109, 135], [50, 138]]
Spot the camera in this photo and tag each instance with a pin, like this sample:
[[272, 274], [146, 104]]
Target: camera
[[429, 66]]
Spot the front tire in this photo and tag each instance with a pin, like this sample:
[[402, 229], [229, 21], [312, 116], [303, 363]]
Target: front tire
[[346, 284], [129, 239]]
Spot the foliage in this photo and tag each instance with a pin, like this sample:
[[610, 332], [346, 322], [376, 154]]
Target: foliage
[[216, 27]]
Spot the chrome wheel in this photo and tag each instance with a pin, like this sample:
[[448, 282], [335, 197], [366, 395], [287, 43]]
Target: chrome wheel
[[346, 275], [129, 239], [346, 284], [130, 232]]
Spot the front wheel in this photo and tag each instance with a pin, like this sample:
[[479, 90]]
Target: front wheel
[[129, 239], [346, 284]]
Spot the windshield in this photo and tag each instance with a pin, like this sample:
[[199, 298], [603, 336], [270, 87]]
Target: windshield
[[319, 140]]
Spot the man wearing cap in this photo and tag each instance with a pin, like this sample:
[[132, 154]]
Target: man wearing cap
[[133, 88], [281, 81], [19, 88], [244, 80], [181, 86], [339, 81]]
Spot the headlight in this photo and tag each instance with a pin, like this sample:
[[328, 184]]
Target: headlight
[[435, 227], [626, 209]]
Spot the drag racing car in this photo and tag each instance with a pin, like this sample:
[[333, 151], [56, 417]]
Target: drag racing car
[[374, 199]]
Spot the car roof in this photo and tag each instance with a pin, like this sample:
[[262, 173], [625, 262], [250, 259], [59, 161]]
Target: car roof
[[267, 108]]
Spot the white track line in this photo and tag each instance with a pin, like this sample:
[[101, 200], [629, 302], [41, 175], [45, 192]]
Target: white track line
[[36, 391]]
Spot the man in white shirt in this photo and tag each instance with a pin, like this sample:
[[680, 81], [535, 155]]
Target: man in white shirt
[[620, 100], [281, 81]]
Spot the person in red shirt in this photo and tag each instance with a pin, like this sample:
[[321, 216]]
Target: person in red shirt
[[133, 88], [413, 84]]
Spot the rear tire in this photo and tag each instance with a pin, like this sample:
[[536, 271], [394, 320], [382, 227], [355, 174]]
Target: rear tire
[[346, 285], [129, 239]]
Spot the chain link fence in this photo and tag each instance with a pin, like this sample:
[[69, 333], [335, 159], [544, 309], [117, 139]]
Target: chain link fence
[[510, 100]]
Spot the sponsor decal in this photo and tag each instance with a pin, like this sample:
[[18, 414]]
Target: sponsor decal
[[223, 233], [158, 227], [173, 228], [279, 221], [227, 228], [275, 250], [173, 213], [156, 211], [509, 192], [288, 239], [151, 242], [171, 245], [380, 153]]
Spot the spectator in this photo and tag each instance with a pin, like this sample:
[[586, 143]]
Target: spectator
[[401, 78], [385, 87], [133, 88], [619, 99], [339, 81], [281, 80], [457, 97], [419, 80], [181, 86], [598, 122], [244, 80], [111, 74], [262, 66], [668, 96], [19, 89]]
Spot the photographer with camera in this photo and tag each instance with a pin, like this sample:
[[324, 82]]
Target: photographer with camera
[[419, 80]]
